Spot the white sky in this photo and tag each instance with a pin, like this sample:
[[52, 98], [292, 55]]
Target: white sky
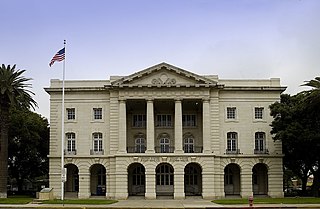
[[229, 38]]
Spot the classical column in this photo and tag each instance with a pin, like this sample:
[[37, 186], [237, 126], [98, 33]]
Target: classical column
[[122, 126], [150, 127], [206, 126], [178, 127]]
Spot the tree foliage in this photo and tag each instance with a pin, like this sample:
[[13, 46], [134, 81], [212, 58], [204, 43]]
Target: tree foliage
[[14, 92], [28, 146], [297, 123]]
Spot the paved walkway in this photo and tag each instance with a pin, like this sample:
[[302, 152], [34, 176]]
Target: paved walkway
[[159, 203]]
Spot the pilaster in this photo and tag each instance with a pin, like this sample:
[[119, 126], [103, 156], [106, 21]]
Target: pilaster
[[179, 184], [84, 185], [150, 184]]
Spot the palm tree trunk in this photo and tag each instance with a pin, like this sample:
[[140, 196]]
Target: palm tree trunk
[[4, 128]]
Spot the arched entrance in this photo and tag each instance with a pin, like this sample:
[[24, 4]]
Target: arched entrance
[[164, 180], [98, 180], [136, 179], [260, 179], [192, 179], [232, 179], [72, 183]]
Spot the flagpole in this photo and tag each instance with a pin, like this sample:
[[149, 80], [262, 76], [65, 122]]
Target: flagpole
[[63, 173]]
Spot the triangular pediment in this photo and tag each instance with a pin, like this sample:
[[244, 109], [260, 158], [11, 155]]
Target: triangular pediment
[[165, 75]]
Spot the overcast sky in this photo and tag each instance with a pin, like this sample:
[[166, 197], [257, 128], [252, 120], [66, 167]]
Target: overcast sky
[[229, 38]]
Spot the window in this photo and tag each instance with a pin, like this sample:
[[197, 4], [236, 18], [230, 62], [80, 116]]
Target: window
[[71, 142], [231, 113], [97, 113], [71, 113], [164, 145], [97, 142], [139, 121], [164, 120], [232, 142], [258, 112], [140, 145], [138, 176], [259, 141], [188, 144], [189, 120], [228, 176], [164, 175]]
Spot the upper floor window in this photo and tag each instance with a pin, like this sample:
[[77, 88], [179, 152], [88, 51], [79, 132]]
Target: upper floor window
[[189, 120], [164, 120], [97, 113], [258, 112], [259, 144], [71, 113], [232, 138], [71, 142], [188, 144], [140, 144], [97, 142], [231, 113], [139, 121], [164, 145]]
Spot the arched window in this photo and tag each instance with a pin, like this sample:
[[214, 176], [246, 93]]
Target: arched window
[[232, 138], [140, 144], [164, 145], [71, 142], [188, 143], [164, 174]]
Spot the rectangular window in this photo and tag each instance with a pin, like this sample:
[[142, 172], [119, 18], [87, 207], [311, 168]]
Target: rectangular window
[[259, 141], [258, 112], [71, 142], [164, 121], [97, 142], [139, 121], [97, 113], [231, 113], [71, 113], [189, 120], [232, 141]]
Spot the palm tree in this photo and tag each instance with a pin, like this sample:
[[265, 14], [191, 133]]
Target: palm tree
[[313, 95], [13, 92]]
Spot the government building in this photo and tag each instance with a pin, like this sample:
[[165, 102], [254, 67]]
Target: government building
[[165, 131]]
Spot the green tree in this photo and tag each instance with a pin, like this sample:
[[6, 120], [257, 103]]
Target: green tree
[[312, 102], [13, 92], [28, 146], [295, 125]]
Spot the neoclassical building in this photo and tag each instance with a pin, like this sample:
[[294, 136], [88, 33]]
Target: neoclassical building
[[165, 131]]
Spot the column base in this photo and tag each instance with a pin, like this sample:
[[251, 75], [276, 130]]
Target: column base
[[150, 151], [179, 151], [150, 196], [178, 196]]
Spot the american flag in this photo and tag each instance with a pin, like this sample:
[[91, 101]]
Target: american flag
[[59, 56]]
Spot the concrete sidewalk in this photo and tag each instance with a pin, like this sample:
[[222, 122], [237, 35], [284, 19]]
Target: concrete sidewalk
[[159, 203]]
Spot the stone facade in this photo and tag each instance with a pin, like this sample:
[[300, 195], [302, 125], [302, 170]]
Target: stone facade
[[165, 131]]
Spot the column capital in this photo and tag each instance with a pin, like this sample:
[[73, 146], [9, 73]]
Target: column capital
[[178, 99], [122, 100], [205, 99], [150, 99]]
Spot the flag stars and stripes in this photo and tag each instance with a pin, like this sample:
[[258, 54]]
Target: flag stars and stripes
[[59, 56]]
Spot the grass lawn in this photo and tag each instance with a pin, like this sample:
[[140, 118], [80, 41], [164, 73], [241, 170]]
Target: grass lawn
[[80, 201], [287, 200], [16, 200]]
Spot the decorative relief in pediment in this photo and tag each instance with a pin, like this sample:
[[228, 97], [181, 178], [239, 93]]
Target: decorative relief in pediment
[[163, 79]]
